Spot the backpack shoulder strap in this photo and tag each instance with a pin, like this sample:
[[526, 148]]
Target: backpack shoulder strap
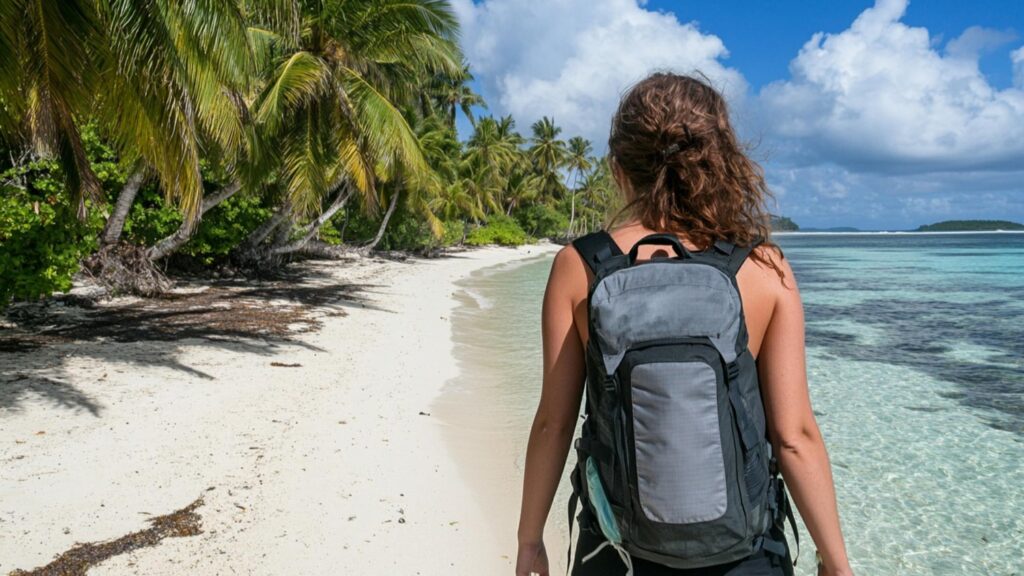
[[596, 248], [737, 255]]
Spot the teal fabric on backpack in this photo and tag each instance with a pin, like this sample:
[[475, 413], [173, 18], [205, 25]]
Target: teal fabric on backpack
[[602, 508]]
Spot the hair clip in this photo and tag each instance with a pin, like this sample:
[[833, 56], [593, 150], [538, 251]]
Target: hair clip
[[671, 149]]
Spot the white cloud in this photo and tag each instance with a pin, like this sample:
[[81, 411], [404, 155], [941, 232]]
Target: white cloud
[[572, 59], [1017, 57], [976, 40], [879, 97]]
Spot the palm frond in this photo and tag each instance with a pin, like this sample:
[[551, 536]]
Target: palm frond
[[281, 17], [155, 109], [298, 80], [383, 130], [304, 162]]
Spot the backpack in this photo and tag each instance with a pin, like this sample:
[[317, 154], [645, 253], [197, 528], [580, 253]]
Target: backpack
[[673, 462]]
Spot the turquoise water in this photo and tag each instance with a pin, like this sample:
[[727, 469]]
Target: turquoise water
[[916, 369]]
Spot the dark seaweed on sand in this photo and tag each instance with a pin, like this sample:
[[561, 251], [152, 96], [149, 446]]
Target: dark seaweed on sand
[[78, 560]]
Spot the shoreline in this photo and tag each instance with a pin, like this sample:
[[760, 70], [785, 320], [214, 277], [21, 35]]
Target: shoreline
[[313, 454], [489, 441]]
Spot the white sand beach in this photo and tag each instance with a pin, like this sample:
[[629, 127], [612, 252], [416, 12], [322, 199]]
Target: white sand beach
[[314, 455]]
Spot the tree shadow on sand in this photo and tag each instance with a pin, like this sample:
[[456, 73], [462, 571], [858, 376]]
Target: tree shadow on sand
[[261, 317]]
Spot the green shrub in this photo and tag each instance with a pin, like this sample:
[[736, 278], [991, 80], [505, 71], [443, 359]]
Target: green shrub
[[41, 239], [542, 221], [221, 230], [454, 231], [406, 231], [151, 217], [498, 230], [224, 227]]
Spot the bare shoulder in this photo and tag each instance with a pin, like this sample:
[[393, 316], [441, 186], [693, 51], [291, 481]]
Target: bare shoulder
[[770, 269], [568, 271], [567, 259]]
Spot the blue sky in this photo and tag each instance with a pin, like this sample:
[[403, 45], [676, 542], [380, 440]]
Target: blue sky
[[879, 115]]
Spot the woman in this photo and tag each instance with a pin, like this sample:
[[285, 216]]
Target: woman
[[677, 161]]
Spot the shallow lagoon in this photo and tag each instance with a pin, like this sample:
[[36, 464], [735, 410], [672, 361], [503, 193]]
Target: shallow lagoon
[[916, 368]]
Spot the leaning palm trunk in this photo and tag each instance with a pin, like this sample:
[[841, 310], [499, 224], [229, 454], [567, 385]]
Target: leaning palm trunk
[[115, 223], [311, 229], [283, 232], [172, 243], [384, 224], [249, 248]]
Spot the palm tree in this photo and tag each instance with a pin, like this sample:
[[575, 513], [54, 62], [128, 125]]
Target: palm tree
[[331, 100], [600, 198], [452, 94], [548, 154], [140, 68], [216, 67], [523, 187], [578, 162], [492, 153], [507, 131]]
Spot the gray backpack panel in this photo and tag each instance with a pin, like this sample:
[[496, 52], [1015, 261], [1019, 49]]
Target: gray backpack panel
[[657, 300], [679, 464]]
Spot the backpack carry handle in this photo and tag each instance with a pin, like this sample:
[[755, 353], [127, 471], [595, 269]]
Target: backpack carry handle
[[663, 240]]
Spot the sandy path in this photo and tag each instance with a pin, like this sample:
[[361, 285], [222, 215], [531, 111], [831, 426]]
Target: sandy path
[[324, 468]]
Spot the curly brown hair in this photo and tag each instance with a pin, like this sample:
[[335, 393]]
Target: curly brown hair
[[687, 172]]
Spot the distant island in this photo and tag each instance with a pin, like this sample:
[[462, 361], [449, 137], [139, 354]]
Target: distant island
[[783, 224], [786, 224], [970, 226]]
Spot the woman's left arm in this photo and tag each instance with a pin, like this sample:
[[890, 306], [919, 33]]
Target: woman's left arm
[[557, 412]]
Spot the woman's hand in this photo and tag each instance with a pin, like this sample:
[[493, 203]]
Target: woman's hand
[[532, 559], [823, 571]]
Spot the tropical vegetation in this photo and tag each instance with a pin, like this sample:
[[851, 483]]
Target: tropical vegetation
[[970, 226], [250, 132]]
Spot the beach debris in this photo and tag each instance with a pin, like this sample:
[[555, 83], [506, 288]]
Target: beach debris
[[285, 365], [422, 413], [81, 557], [126, 269], [218, 313]]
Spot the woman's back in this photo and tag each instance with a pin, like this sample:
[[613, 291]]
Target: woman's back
[[681, 170]]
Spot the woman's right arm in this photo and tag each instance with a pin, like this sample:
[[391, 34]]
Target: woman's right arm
[[792, 428]]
